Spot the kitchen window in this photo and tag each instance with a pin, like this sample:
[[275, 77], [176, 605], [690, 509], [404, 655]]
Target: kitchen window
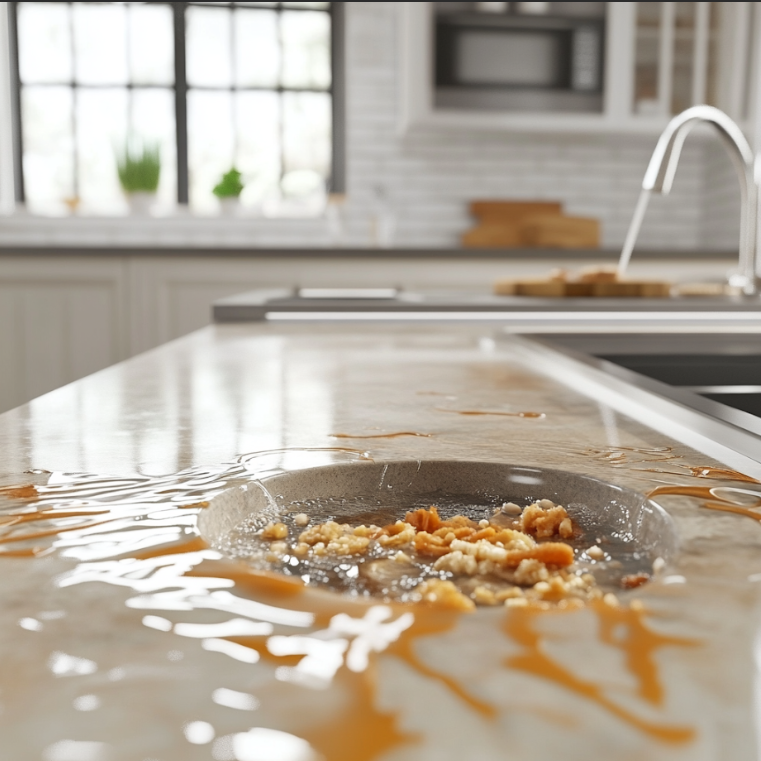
[[253, 85]]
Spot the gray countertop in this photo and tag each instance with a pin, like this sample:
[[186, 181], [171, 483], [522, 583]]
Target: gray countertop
[[111, 600], [373, 253]]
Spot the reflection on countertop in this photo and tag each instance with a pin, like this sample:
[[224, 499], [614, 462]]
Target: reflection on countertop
[[135, 639]]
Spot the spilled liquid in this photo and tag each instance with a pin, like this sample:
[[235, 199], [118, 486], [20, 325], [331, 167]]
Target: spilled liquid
[[493, 412], [728, 499], [395, 435], [140, 533], [633, 232], [621, 628]]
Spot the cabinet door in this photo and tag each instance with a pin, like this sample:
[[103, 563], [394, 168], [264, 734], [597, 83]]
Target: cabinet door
[[59, 321], [692, 53]]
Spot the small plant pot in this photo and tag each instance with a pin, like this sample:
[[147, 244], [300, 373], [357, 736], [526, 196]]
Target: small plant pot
[[141, 203], [229, 206]]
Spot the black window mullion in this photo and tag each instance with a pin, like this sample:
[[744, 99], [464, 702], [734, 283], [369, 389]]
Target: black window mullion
[[338, 99], [181, 102], [18, 138], [74, 104]]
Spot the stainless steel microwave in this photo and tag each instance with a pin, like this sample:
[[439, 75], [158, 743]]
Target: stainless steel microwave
[[519, 63]]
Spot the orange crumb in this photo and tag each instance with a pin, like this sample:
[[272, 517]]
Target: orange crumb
[[424, 520], [550, 553]]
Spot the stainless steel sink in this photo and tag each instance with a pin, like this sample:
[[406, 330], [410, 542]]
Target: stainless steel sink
[[715, 373]]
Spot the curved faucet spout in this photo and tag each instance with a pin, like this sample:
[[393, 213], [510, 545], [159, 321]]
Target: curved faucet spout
[[661, 170]]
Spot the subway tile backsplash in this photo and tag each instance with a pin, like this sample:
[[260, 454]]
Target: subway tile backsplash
[[430, 176]]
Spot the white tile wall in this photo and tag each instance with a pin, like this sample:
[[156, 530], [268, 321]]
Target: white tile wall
[[431, 176]]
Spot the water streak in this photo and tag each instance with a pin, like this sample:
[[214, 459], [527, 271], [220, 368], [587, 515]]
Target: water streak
[[631, 235]]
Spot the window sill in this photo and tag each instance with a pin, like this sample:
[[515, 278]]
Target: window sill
[[24, 229]]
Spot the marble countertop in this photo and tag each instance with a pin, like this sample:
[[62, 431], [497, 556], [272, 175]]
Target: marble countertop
[[114, 610]]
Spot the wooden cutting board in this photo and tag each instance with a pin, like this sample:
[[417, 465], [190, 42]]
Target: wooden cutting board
[[497, 212], [547, 288], [528, 224]]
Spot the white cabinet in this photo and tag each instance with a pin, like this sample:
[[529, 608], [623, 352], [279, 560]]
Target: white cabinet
[[59, 320], [659, 59]]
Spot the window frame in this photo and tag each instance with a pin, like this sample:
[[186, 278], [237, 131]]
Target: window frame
[[337, 91]]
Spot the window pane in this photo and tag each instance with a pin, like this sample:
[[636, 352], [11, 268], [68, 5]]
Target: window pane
[[102, 119], [152, 118], [209, 52], [258, 154], [151, 43], [306, 136], [44, 42], [48, 148], [257, 50], [210, 145], [100, 35], [306, 5], [306, 49]]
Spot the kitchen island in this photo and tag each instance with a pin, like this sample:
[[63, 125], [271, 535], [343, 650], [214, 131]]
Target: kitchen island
[[126, 636]]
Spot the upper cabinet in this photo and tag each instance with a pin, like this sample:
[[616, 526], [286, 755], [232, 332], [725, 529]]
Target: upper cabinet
[[574, 67]]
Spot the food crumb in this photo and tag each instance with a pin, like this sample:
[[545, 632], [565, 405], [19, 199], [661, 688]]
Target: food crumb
[[595, 552], [519, 557], [274, 531]]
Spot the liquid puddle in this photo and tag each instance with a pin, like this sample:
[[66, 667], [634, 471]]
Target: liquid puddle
[[493, 412], [143, 537], [717, 498], [639, 645], [394, 435]]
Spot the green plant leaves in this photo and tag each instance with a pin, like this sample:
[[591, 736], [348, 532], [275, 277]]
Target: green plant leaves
[[139, 167], [230, 186]]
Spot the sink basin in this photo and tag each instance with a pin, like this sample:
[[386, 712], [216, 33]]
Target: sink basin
[[722, 367], [731, 379], [636, 531]]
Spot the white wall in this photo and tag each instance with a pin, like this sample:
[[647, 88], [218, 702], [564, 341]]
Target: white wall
[[431, 175]]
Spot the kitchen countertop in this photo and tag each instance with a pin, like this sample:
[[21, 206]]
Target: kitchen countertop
[[348, 252], [94, 670]]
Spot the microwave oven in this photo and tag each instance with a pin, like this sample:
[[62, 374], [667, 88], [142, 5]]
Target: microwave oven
[[519, 63]]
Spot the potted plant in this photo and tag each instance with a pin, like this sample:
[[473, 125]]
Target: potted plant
[[139, 168], [228, 190]]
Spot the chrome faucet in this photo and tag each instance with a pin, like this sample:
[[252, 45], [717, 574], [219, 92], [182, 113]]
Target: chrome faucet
[[659, 178]]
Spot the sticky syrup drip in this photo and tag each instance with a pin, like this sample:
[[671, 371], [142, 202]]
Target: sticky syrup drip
[[149, 535], [714, 498], [395, 435], [493, 412]]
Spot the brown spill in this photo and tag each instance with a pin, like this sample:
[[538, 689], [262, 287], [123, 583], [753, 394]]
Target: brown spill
[[27, 552], [639, 645], [706, 471], [619, 455], [394, 435], [362, 732], [194, 504], [714, 501], [20, 492], [12, 519], [50, 532], [493, 412], [192, 545], [429, 622]]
